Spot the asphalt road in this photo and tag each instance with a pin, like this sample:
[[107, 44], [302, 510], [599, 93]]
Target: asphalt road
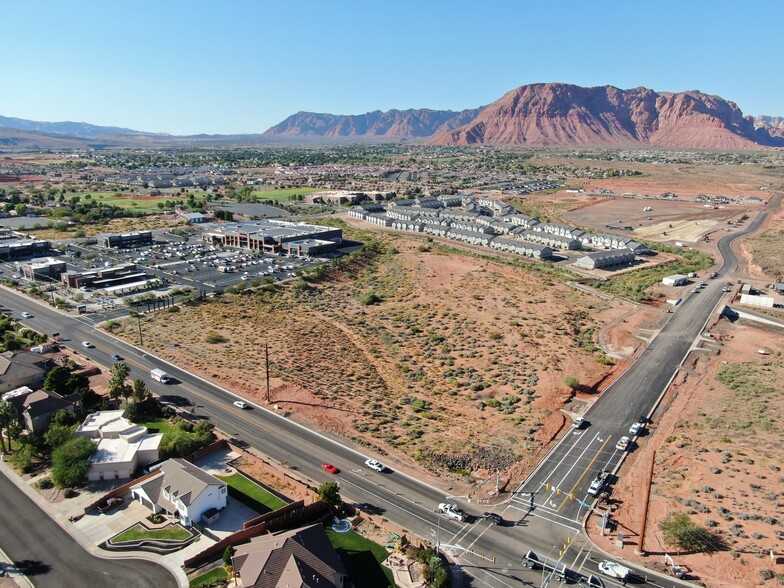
[[490, 554], [52, 559]]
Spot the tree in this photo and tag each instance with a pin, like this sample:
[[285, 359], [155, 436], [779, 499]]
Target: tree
[[227, 554], [681, 532], [64, 417], [117, 386], [58, 435], [71, 461], [8, 415], [329, 493], [139, 391]]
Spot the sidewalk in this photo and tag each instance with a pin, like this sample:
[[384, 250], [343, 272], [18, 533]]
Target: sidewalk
[[13, 574], [61, 519]]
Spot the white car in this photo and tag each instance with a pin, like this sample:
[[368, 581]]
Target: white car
[[375, 465], [635, 429], [240, 404], [87, 344], [623, 443], [578, 423], [27, 315]]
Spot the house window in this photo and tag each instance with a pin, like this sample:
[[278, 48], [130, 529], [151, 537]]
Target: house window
[[223, 490]]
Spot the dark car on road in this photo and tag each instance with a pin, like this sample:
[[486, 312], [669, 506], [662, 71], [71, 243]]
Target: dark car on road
[[494, 518]]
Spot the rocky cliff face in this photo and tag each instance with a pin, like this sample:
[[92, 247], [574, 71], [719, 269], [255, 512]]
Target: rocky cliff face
[[393, 124], [773, 125], [542, 115]]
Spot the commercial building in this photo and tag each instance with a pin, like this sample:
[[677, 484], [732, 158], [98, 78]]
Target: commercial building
[[43, 268], [269, 235], [125, 240], [23, 248], [104, 277]]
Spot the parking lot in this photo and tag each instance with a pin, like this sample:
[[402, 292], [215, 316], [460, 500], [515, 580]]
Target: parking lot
[[176, 260]]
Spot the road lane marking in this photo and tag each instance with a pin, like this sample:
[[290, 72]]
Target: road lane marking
[[585, 471]]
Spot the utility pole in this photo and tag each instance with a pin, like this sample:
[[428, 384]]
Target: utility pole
[[641, 544], [266, 361], [139, 322]]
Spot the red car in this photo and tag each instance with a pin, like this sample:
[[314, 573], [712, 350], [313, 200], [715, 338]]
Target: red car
[[328, 467]]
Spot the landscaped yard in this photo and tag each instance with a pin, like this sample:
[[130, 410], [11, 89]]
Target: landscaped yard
[[159, 426], [363, 559], [139, 532], [209, 578], [251, 494]]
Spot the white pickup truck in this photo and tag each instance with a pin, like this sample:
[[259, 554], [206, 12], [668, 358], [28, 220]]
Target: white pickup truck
[[160, 376], [614, 570], [452, 511]]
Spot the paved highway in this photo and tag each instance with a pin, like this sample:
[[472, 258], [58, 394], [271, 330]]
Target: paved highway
[[537, 519], [52, 559]]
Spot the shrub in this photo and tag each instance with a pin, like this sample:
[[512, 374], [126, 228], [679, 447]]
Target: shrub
[[70, 462], [44, 484], [681, 532], [213, 337], [572, 382], [369, 298]]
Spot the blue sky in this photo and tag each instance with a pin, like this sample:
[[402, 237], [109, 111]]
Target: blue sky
[[242, 66]]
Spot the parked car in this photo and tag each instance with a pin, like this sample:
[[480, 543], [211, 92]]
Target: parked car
[[623, 443], [87, 344], [375, 465], [240, 404], [111, 503], [494, 518], [578, 423], [328, 467], [635, 429]]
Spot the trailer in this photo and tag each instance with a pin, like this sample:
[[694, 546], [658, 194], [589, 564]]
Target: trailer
[[614, 570]]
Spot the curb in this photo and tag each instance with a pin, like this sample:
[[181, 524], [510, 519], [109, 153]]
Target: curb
[[81, 538], [14, 574]]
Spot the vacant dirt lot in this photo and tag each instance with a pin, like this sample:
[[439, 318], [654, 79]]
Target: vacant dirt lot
[[460, 365]]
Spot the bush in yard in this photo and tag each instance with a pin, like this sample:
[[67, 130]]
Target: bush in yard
[[229, 551], [70, 462], [329, 493], [23, 458]]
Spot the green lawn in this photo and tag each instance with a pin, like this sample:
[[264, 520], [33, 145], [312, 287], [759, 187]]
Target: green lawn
[[144, 205], [363, 558], [159, 426], [213, 575], [251, 494], [138, 532]]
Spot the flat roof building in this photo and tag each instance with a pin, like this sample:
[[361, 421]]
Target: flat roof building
[[133, 239], [268, 235]]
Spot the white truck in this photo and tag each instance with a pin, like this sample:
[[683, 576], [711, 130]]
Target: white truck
[[598, 483], [160, 376], [451, 511], [614, 570]]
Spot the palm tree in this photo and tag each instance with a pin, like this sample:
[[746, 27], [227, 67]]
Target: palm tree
[[117, 385], [140, 391], [9, 419]]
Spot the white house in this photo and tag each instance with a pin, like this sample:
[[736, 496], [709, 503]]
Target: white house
[[182, 490], [121, 446]]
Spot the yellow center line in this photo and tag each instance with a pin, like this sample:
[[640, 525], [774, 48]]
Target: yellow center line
[[585, 471]]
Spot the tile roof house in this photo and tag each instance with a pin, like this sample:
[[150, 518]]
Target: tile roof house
[[299, 557], [21, 368], [183, 490]]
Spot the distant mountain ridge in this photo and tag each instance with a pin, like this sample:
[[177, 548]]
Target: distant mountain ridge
[[393, 124], [72, 129]]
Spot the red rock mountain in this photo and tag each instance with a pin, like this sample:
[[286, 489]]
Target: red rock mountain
[[393, 124], [541, 115]]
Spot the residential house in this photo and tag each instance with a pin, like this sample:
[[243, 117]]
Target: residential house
[[600, 259], [36, 408], [121, 446], [182, 490], [298, 557], [22, 368], [521, 247]]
